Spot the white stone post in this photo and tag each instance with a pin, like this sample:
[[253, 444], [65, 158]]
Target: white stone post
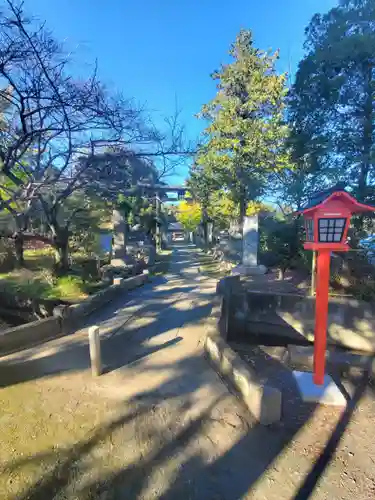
[[95, 356], [250, 241], [119, 238]]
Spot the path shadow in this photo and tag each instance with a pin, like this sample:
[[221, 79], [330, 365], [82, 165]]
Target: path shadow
[[229, 476], [199, 472], [119, 346], [71, 358], [324, 459]]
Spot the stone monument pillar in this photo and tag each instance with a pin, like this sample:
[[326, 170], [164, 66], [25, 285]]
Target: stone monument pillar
[[250, 242], [210, 232], [118, 258]]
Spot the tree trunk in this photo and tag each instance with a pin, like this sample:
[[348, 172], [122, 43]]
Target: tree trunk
[[205, 229], [61, 244], [62, 257], [367, 140], [157, 228], [368, 129], [313, 274], [18, 248], [242, 210], [281, 274]]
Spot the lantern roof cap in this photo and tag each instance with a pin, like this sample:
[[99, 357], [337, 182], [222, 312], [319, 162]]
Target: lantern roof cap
[[319, 199]]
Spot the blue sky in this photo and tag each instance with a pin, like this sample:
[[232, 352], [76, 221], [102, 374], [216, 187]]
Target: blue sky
[[157, 51]]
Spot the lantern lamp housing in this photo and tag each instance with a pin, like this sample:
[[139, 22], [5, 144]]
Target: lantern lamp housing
[[327, 219]]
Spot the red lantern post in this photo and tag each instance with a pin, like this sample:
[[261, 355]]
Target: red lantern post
[[327, 219], [321, 315]]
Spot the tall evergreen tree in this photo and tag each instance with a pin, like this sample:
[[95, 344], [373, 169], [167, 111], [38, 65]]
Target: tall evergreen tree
[[245, 135]]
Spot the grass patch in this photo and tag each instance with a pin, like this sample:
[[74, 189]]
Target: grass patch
[[69, 288], [37, 281], [39, 259], [43, 285], [211, 268]]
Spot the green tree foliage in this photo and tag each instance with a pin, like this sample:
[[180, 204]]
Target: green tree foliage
[[201, 184], [333, 96], [189, 213], [281, 244], [85, 216], [222, 210], [245, 136]]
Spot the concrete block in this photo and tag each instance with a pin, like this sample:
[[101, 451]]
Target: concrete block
[[263, 401], [327, 394], [60, 311]]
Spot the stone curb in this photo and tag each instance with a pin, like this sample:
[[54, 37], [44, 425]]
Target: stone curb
[[64, 319], [33, 333], [102, 297], [263, 401], [303, 357]]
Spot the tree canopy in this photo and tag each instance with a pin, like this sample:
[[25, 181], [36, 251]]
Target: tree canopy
[[333, 96], [244, 140]]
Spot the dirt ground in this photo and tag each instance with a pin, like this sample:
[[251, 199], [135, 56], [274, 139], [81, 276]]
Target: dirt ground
[[160, 424], [339, 443], [65, 437]]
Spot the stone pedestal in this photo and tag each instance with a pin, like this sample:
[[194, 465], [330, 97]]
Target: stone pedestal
[[249, 270]]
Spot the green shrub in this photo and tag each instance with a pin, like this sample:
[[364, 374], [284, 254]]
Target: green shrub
[[69, 288], [281, 244], [7, 258]]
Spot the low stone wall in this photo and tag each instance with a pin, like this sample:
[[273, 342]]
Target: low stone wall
[[36, 332], [99, 299], [64, 320], [351, 323], [263, 401], [302, 358]]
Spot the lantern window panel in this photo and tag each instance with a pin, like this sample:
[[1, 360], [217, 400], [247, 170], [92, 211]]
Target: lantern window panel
[[309, 226], [331, 230]]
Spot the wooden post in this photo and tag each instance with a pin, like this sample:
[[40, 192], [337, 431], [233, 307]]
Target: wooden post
[[313, 274], [321, 315], [95, 356]]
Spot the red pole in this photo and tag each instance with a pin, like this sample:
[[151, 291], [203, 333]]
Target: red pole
[[321, 315]]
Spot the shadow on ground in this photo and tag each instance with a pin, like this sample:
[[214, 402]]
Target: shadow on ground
[[228, 476], [177, 452], [124, 337]]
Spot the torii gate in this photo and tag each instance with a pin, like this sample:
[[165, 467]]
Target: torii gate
[[160, 192]]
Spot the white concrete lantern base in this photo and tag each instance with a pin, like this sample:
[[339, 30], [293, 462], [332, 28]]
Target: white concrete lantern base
[[327, 394]]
